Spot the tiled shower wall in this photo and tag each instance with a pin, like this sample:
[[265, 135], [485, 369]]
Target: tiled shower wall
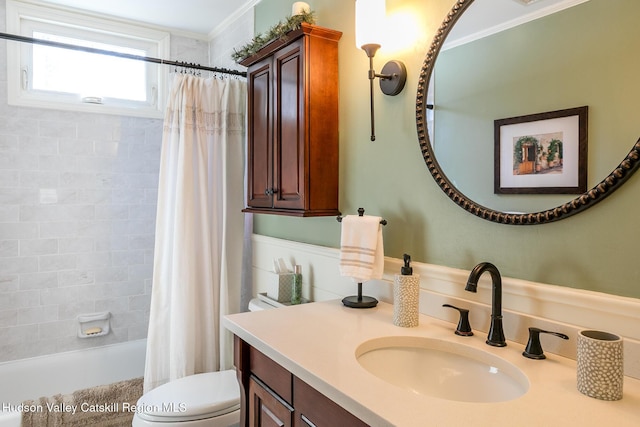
[[77, 208], [229, 38], [77, 220]]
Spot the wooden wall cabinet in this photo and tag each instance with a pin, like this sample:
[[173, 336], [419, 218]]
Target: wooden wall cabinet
[[272, 396], [293, 144]]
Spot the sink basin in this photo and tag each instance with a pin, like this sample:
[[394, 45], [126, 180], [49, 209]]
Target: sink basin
[[442, 369]]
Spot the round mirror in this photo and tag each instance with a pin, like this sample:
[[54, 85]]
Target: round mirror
[[524, 105]]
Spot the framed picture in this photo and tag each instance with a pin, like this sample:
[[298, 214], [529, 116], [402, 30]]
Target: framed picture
[[543, 153]]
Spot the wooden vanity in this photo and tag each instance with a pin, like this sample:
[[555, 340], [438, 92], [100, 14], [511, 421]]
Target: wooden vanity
[[273, 396], [297, 366]]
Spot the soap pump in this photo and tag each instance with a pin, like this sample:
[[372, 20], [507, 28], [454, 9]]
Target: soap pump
[[406, 296]]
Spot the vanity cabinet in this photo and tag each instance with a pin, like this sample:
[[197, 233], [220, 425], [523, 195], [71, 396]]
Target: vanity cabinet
[[292, 135], [272, 396]]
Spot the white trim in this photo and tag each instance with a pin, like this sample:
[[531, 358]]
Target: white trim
[[220, 28], [524, 303]]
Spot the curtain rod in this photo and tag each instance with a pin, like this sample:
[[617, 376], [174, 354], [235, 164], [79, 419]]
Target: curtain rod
[[120, 55]]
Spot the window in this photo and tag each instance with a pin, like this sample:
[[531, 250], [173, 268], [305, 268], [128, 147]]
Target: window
[[53, 77]]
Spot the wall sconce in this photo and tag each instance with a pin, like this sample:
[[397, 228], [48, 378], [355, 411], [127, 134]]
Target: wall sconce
[[370, 18]]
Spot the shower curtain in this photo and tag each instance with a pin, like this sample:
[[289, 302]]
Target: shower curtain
[[199, 229]]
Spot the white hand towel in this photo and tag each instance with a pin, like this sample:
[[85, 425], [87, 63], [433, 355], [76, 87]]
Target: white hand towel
[[361, 248]]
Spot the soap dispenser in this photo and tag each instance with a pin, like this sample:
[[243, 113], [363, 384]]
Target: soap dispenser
[[406, 296]]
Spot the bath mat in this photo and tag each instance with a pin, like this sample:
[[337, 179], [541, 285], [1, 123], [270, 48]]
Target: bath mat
[[110, 405]]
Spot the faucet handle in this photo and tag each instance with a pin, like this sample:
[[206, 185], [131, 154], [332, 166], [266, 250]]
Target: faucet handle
[[534, 348], [464, 327]]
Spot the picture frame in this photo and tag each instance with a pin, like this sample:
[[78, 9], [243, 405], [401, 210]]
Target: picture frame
[[543, 153]]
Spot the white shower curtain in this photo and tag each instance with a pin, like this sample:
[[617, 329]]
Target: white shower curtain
[[199, 229]]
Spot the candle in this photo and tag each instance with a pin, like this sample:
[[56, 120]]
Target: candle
[[299, 8]]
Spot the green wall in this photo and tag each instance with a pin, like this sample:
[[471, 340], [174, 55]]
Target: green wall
[[594, 250]]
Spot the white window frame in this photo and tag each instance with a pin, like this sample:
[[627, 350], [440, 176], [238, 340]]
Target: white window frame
[[23, 18]]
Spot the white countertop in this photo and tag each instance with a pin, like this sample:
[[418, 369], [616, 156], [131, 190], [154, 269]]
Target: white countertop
[[317, 343]]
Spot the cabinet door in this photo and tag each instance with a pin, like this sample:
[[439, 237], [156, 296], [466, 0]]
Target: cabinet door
[[260, 137], [266, 409], [289, 126]]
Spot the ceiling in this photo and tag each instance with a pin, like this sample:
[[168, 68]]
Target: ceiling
[[195, 16]]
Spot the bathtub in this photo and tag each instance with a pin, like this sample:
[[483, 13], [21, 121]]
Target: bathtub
[[64, 373]]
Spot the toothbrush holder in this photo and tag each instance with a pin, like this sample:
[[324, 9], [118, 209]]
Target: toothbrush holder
[[600, 365]]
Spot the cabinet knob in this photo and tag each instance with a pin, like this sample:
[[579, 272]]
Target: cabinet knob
[[270, 191]]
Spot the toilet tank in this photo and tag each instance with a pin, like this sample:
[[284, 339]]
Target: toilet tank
[[257, 304]]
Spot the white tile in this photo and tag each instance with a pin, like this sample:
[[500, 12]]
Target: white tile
[[71, 310], [111, 275], [140, 271], [59, 296], [39, 280], [127, 258], [39, 179], [9, 283], [9, 178], [93, 260], [9, 248], [57, 163], [76, 278], [57, 262], [75, 146], [29, 247], [140, 302], [37, 145], [57, 329], [18, 265], [17, 196], [117, 289], [114, 305], [18, 335], [58, 229], [8, 318], [111, 243], [57, 129], [36, 315], [75, 245], [9, 143]]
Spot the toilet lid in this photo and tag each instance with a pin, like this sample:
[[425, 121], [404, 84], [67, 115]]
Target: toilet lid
[[191, 398]]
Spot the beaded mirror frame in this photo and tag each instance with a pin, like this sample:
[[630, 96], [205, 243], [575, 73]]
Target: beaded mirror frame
[[591, 197]]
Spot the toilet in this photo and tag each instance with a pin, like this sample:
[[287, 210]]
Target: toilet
[[211, 399]]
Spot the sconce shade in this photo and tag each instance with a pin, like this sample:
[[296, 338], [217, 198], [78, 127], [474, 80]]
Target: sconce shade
[[370, 23], [370, 17]]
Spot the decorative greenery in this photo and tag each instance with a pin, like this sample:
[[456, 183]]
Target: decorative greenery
[[517, 151], [555, 147], [278, 31]]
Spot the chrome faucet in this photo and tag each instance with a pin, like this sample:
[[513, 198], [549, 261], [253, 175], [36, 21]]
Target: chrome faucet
[[496, 334]]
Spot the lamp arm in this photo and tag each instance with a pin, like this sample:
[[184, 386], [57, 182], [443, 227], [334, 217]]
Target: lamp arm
[[385, 76], [372, 76]]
